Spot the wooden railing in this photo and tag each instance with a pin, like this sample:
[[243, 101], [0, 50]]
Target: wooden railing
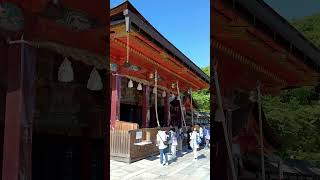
[[123, 145], [120, 144], [122, 125]]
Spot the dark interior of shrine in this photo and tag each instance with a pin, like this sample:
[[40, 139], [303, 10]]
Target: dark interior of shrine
[[68, 122]]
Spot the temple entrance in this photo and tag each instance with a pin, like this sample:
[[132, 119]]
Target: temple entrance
[[130, 102], [131, 113], [68, 120]]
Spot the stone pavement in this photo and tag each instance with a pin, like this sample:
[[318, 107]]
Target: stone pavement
[[183, 168]]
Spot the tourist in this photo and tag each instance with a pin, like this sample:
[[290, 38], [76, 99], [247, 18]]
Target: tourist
[[201, 134], [188, 136], [194, 143], [161, 143], [179, 138], [207, 137], [174, 143], [170, 140]]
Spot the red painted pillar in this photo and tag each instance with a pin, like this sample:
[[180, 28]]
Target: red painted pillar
[[17, 146], [167, 109], [13, 116], [115, 99], [145, 107]]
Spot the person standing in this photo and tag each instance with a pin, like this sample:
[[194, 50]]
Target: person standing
[[161, 143], [170, 140], [201, 134], [180, 139], [207, 137], [188, 136], [194, 143], [174, 143]]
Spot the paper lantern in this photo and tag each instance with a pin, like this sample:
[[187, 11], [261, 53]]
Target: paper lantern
[[65, 73], [154, 90], [130, 84], [94, 82], [164, 94], [139, 87]]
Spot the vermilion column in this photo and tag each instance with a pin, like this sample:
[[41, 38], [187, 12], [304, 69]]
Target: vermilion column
[[17, 146], [115, 99], [145, 107]]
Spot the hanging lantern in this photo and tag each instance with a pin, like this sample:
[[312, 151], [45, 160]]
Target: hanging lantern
[[154, 90], [139, 88], [164, 94], [130, 84], [94, 82], [65, 73]]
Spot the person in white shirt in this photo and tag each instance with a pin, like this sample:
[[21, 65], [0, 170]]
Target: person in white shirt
[[174, 143], [161, 143], [194, 143]]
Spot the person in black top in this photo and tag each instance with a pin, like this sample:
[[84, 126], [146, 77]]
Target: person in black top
[[188, 133]]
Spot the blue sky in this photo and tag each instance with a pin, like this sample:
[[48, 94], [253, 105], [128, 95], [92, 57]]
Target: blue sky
[[297, 9], [185, 23]]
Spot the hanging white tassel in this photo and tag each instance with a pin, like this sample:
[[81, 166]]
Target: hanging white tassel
[[164, 94], [139, 88], [94, 82], [130, 84], [65, 73]]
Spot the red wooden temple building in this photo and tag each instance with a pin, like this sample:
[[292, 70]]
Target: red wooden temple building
[[151, 83], [254, 51], [53, 84]]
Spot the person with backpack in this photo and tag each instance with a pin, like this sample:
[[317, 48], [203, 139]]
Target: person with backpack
[[194, 142], [162, 145]]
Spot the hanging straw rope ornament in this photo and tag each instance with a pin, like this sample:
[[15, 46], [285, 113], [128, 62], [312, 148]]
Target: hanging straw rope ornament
[[94, 82], [156, 96], [65, 73]]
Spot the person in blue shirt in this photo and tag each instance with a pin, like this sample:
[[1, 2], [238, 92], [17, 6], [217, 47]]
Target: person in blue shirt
[[206, 135]]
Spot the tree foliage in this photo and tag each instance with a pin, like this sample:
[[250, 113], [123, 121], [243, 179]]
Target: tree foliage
[[295, 114], [202, 97], [295, 117], [310, 28]]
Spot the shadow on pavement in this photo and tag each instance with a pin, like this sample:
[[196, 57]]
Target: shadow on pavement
[[202, 156]]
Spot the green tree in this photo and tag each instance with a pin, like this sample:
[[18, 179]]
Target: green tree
[[202, 97], [294, 114]]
